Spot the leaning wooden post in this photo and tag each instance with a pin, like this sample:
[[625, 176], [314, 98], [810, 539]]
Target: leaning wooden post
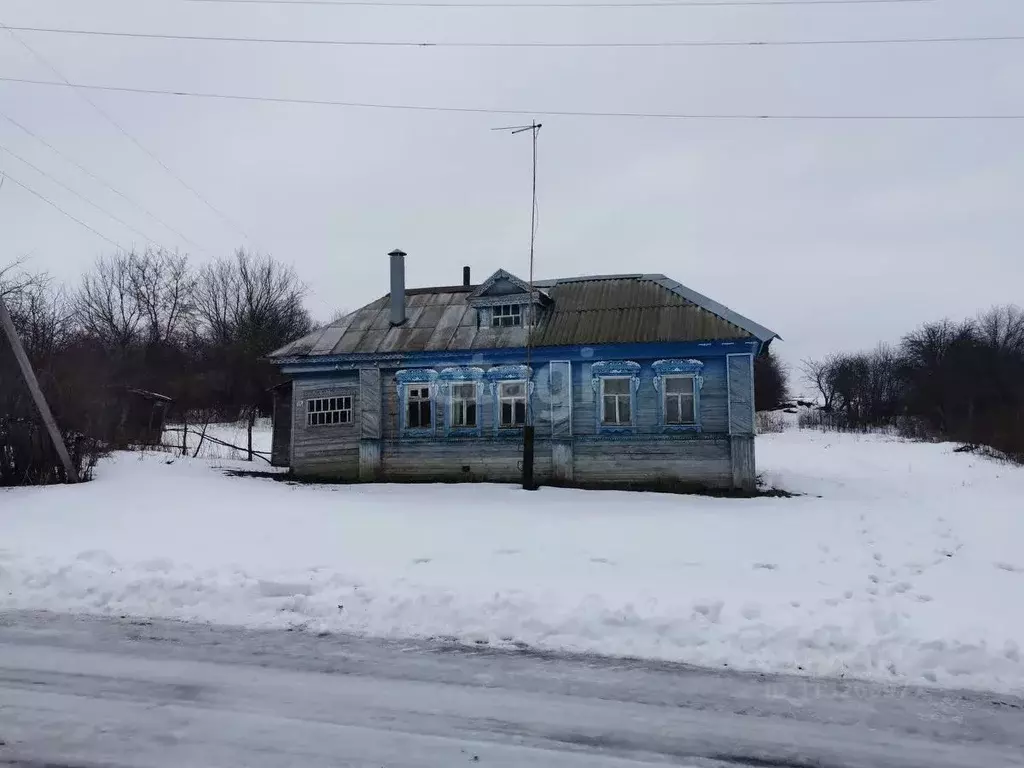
[[37, 394]]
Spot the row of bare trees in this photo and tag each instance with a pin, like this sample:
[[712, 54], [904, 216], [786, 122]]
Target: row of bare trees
[[151, 321], [964, 381]]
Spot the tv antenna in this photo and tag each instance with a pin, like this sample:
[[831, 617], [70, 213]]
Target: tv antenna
[[528, 434], [534, 128]]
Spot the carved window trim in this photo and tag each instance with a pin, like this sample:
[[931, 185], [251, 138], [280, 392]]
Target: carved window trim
[[416, 378], [508, 374], [673, 369], [615, 369], [445, 383]]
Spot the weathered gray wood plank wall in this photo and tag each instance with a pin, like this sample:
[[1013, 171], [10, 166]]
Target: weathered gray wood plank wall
[[328, 450]]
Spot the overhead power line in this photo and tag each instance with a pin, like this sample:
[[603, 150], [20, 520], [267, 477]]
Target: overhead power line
[[573, 44], [49, 202], [102, 113], [505, 111], [138, 206], [80, 196], [611, 4]]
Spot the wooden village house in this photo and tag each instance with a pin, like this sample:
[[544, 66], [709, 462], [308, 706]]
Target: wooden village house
[[628, 381]]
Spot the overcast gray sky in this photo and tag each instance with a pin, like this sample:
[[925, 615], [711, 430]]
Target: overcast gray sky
[[831, 233]]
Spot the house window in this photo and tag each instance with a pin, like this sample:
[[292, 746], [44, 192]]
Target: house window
[[464, 405], [322, 411], [679, 382], [615, 383], [616, 399], [511, 404], [418, 408], [506, 315], [680, 400]]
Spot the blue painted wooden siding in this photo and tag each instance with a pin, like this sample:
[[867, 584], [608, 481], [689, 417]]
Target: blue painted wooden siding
[[714, 397], [713, 402]]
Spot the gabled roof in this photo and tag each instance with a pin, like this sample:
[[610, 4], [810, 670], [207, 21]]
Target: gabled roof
[[516, 284], [600, 309]]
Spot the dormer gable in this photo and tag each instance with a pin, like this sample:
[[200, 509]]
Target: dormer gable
[[500, 284], [504, 300]]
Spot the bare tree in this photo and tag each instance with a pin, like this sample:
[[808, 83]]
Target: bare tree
[[164, 288], [1002, 328], [248, 306], [14, 278], [133, 298], [820, 374], [106, 304]]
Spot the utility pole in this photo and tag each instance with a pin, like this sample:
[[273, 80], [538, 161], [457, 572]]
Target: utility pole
[[37, 393], [528, 433]]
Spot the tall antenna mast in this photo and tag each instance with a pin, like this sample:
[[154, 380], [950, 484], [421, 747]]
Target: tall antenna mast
[[528, 435], [534, 128]]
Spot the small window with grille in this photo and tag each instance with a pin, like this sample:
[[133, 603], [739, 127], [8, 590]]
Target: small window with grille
[[324, 411]]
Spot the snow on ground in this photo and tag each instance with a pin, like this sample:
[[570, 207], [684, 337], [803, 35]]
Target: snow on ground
[[902, 563]]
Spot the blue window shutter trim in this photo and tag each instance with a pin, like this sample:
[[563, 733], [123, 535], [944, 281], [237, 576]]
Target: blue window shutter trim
[[461, 374], [416, 375], [508, 373], [604, 369]]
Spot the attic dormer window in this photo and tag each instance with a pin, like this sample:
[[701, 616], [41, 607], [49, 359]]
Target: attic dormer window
[[503, 316]]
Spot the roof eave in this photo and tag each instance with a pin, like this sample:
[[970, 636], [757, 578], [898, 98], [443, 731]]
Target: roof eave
[[758, 331]]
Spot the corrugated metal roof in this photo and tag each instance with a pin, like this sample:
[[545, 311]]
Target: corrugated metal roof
[[583, 310]]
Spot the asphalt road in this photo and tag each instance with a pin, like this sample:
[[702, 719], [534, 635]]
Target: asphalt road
[[86, 693]]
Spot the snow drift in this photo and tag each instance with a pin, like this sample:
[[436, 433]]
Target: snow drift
[[901, 562]]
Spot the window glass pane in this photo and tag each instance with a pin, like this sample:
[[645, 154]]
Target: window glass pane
[[425, 414], [609, 410], [686, 406], [506, 413], [471, 414], [672, 414], [520, 412], [513, 389], [624, 417], [413, 420], [616, 386], [679, 384], [465, 391]]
